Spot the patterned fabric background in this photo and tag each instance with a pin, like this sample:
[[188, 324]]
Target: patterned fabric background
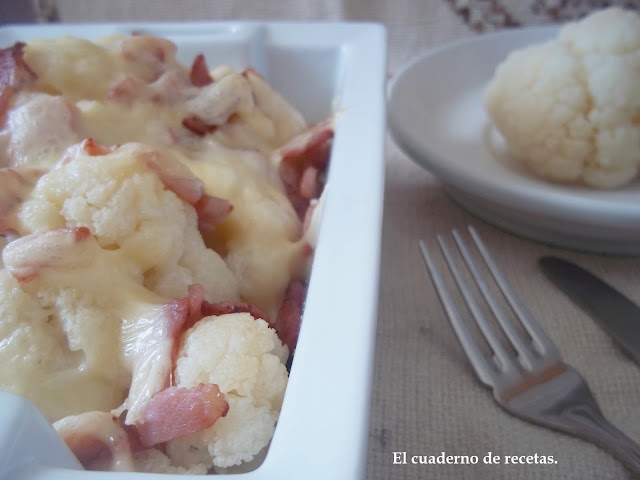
[[484, 15]]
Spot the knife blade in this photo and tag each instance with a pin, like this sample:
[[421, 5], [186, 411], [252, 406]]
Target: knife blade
[[613, 311]]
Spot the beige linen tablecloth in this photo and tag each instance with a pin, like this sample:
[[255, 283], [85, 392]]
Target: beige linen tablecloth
[[425, 397]]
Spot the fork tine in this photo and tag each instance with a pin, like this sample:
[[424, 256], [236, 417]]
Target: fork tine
[[485, 371], [545, 345], [489, 333], [517, 340]]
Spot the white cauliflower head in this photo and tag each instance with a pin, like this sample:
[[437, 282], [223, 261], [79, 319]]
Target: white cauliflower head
[[245, 358], [126, 206], [569, 108]]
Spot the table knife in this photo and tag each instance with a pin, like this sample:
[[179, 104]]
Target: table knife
[[614, 312]]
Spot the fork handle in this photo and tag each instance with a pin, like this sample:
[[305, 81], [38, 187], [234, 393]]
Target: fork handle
[[588, 422]]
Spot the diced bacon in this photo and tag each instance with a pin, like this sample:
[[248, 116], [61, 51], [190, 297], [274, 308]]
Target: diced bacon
[[195, 297], [88, 146], [200, 75], [176, 177], [307, 141], [170, 88], [216, 103], [176, 412], [180, 180], [25, 257], [127, 89], [308, 215], [309, 184], [94, 149], [198, 126], [302, 163], [7, 94], [211, 211], [14, 71], [224, 308], [98, 440], [155, 53], [290, 314]]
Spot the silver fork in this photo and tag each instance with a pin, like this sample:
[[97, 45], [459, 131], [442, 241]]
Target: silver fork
[[533, 382]]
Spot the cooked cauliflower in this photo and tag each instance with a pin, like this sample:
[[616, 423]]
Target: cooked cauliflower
[[127, 207], [245, 358], [569, 108]]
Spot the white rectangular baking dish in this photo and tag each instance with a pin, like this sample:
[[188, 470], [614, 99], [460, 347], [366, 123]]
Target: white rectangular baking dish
[[320, 68]]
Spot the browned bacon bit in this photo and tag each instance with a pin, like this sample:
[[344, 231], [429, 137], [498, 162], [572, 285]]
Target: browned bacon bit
[[151, 52], [211, 211], [303, 161], [290, 314], [200, 75], [198, 126], [127, 89], [177, 412], [94, 149], [7, 94], [224, 308], [26, 256], [14, 71]]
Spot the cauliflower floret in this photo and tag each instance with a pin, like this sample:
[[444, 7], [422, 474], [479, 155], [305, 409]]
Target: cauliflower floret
[[153, 460], [245, 358], [33, 346], [127, 207], [569, 108]]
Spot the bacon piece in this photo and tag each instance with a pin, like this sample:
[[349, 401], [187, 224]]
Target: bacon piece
[[14, 71], [154, 53], [308, 215], [7, 94], [88, 146], [200, 75], [309, 183], [309, 140], [94, 149], [177, 412], [127, 89], [290, 314], [302, 163], [198, 126], [176, 176], [217, 103], [98, 440], [26, 256], [211, 212]]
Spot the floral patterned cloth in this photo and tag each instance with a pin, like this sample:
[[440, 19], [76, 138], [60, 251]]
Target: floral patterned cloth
[[485, 15]]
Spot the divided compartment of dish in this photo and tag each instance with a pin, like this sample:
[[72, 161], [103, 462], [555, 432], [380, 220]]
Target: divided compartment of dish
[[322, 69]]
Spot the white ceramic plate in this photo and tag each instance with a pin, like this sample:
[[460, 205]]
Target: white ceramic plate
[[319, 67], [436, 116]]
